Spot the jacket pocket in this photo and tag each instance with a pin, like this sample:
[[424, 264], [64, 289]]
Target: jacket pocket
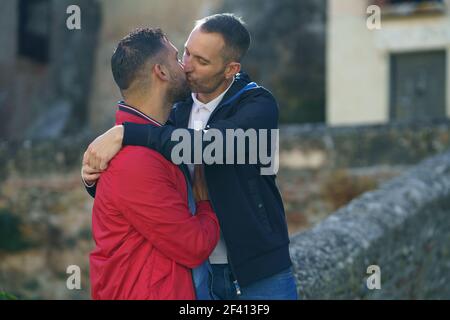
[[258, 203]]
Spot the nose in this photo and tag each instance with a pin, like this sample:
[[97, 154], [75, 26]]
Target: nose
[[187, 65]]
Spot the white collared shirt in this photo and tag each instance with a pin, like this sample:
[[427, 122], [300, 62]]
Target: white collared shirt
[[200, 114]]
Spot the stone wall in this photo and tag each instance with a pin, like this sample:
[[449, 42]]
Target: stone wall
[[403, 227], [301, 147], [321, 146]]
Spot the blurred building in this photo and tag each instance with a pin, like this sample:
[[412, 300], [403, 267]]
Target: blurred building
[[46, 68], [56, 81], [396, 73]]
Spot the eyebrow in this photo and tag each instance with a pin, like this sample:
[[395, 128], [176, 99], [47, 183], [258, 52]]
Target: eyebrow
[[197, 56]]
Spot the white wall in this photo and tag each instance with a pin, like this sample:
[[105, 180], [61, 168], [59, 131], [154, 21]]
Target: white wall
[[358, 58]]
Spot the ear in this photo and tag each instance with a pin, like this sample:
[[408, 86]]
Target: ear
[[232, 69], [161, 72]]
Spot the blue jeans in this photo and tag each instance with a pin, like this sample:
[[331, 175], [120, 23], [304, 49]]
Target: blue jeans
[[280, 286], [201, 277]]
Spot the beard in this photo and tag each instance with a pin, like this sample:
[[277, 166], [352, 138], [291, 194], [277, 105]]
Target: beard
[[179, 90], [208, 85]]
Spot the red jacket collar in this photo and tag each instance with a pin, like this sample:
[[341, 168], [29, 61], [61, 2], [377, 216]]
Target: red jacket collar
[[126, 113]]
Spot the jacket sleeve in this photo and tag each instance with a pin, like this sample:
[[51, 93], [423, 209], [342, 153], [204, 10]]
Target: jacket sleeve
[[150, 201], [257, 111], [91, 189]]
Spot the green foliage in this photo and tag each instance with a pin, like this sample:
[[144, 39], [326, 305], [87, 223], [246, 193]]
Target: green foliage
[[7, 296]]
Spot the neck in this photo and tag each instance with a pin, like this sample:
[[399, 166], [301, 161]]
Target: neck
[[208, 97], [153, 105]]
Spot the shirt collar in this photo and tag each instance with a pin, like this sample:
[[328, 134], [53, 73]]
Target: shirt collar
[[127, 113], [213, 103]]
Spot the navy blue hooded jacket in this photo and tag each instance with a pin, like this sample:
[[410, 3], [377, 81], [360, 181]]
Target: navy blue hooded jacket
[[248, 205]]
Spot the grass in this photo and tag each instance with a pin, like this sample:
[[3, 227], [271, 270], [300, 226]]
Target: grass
[[7, 296]]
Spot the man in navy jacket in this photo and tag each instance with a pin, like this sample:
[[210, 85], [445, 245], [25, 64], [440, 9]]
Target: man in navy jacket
[[252, 259]]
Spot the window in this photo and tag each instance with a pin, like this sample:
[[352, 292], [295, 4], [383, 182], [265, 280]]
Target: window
[[418, 85]]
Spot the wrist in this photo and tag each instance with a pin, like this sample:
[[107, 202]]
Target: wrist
[[87, 183], [118, 137]]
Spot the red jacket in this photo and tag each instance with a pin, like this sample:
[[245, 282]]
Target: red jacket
[[146, 239]]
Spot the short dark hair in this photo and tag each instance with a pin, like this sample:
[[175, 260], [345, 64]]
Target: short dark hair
[[133, 52], [232, 28]]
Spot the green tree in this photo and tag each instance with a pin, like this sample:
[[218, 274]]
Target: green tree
[[288, 53]]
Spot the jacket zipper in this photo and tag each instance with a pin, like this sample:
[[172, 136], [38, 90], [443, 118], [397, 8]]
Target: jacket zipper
[[235, 282], [238, 289]]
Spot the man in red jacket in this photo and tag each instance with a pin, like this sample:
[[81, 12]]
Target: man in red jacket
[[147, 240]]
